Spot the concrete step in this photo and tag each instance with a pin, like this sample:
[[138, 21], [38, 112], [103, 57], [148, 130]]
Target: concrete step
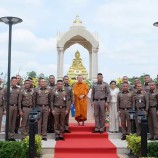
[[52, 156], [49, 145], [52, 136]]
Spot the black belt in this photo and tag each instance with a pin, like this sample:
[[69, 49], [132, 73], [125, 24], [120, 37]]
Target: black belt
[[13, 104], [1, 105], [60, 107], [27, 106], [99, 99], [44, 105], [125, 108], [152, 106], [140, 108]]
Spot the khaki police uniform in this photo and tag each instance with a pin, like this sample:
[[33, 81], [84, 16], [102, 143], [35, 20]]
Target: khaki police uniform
[[140, 103], [2, 105], [134, 88], [69, 94], [50, 125], [124, 103], [13, 109], [130, 87], [59, 106], [43, 101], [26, 103], [18, 118], [100, 95], [146, 87], [152, 116]]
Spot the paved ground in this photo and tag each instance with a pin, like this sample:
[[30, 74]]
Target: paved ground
[[52, 155]]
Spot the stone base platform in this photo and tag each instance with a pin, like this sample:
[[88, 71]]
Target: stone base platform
[[49, 145]]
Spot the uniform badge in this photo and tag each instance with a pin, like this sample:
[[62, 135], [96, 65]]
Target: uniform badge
[[129, 95], [64, 94], [46, 91]]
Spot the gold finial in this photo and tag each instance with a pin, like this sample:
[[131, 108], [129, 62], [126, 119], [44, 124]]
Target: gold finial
[[77, 54], [77, 20]]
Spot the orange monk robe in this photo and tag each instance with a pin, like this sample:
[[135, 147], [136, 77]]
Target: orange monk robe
[[81, 104]]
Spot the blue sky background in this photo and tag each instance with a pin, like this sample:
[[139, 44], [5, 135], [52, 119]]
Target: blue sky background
[[128, 40]]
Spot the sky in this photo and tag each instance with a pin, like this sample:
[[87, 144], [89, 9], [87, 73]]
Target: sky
[[128, 41]]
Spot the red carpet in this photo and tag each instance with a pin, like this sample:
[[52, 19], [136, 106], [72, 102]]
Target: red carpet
[[82, 143]]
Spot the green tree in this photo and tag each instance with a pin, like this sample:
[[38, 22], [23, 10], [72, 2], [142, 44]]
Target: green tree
[[141, 78], [32, 74]]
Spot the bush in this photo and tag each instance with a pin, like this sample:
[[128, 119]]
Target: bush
[[20, 149], [134, 144], [153, 149], [38, 145], [11, 149]]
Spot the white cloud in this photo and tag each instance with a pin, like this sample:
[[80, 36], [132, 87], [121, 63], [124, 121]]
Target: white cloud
[[129, 40], [3, 12], [28, 53]]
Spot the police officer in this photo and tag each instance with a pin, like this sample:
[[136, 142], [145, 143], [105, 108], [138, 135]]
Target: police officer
[[52, 82], [26, 103], [157, 81], [2, 103], [136, 81], [19, 85], [125, 80], [69, 94], [42, 96], [100, 97], [59, 109], [31, 82], [153, 112], [147, 81], [50, 126], [13, 110], [19, 81], [124, 103], [140, 103]]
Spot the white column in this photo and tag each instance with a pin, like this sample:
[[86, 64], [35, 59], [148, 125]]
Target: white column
[[94, 63], [60, 63], [90, 65]]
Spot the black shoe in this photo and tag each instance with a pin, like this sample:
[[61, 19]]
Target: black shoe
[[123, 137], [45, 139], [56, 139], [101, 132], [151, 138], [61, 138], [67, 131], [155, 138], [94, 131], [50, 131], [11, 139]]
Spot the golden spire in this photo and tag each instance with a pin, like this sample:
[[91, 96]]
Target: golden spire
[[77, 20]]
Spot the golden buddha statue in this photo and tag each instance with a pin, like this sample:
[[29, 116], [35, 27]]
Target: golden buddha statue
[[77, 67]]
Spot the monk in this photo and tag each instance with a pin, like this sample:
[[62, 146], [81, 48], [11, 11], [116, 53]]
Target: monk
[[80, 99]]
